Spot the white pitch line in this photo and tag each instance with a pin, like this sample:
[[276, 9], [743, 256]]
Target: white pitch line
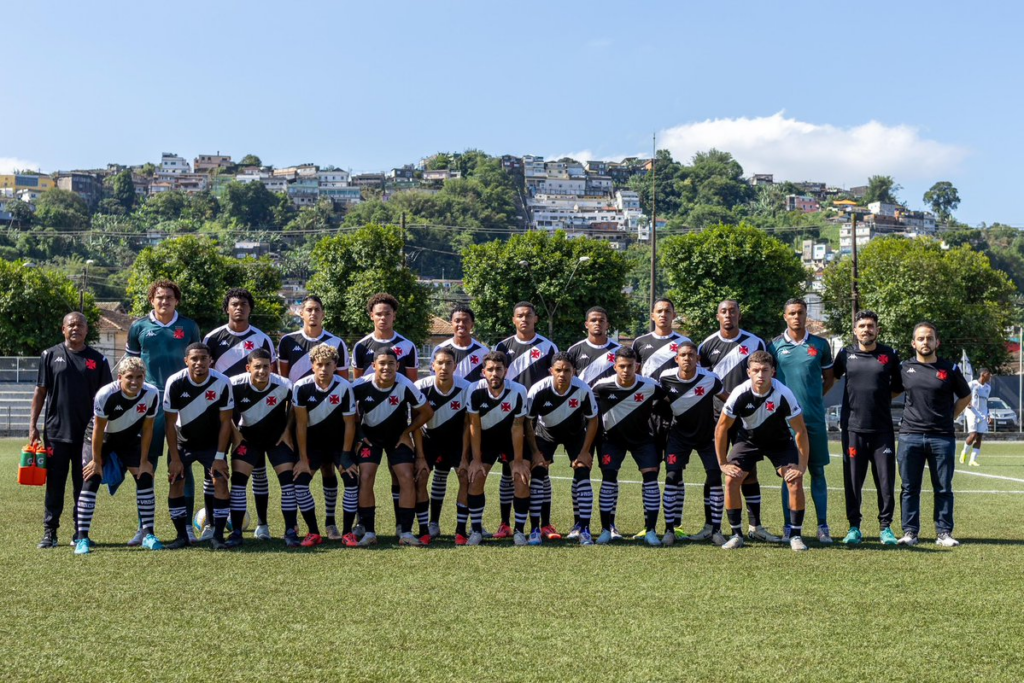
[[830, 488], [964, 471]]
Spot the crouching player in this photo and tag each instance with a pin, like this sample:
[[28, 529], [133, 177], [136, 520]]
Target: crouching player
[[262, 431], [767, 410], [123, 415]]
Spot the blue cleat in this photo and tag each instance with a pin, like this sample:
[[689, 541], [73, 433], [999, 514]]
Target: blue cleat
[[82, 546], [605, 538], [574, 533], [585, 537], [535, 538], [151, 542], [651, 539]]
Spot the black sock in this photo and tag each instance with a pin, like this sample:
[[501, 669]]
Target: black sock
[[475, 509], [752, 494], [395, 491], [368, 516], [405, 517], [522, 510], [221, 510], [461, 516], [288, 509], [238, 484], [707, 503], [179, 516], [422, 511], [796, 523], [652, 500], [735, 520], [330, 484]]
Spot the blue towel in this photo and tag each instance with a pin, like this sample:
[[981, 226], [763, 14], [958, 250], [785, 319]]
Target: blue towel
[[113, 472]]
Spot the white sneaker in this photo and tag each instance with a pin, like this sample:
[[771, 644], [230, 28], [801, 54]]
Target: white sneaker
[[733, 543], [759, 533], [368, 539], [139, 535], [408, 539], [702, 535], [262, 532], [718, 538], [475, 538], [434, 529], [797, 543], [207, 533], [909, 538], [519, 538], [946, 541], [824, 536]]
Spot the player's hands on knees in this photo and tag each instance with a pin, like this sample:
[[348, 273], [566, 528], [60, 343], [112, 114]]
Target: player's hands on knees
[[792, 473], [175, 469], [476, 469], [521, 471], [733, 471], [583, 461], [219, 469], [352, 470], [91, 470], [302, 467]]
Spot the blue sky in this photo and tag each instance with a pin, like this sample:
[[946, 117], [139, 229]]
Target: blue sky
[[815, 91]]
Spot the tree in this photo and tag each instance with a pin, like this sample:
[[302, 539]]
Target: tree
[[731, 262], [908, 280], [123, 190], [201, 207], [21, 213], [62, 209], [205, 275], [348, 269], [33, 303], [250, 160], [248, 205], [162, 207], [494, 277], [943, 198], [882, 188]]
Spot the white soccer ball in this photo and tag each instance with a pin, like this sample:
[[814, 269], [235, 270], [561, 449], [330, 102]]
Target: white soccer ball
[[199, 521]]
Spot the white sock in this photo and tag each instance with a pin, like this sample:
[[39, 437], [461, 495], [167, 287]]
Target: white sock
[[967, 447], [974, 454]]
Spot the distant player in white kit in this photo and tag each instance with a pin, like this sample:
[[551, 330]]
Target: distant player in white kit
[[977, 416]]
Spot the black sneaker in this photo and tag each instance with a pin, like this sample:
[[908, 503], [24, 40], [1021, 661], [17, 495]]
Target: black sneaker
[[49, 539], [218, 544], [234, 540], [178, 543], [291, 539]]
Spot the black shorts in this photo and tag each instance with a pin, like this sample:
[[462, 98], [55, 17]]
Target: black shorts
[[611, 456], [746, 455], [493, 455], [573, 446], [129, 455], [203, 456], [677, 454], [318, 457], [372, 454], [442, 456], [660, 429], [255, 455]]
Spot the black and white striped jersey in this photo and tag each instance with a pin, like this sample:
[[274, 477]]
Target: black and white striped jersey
[[261, 416], [125, 415], [230, 350], [326, 410], [764, 420], [528, 362], [365, 348], [561, 416], [198, 407], [497, 413], [384, 413], [446, 426], [469, 360], [727, 358], [692, 404], [593, 363], [295, 347], [626, 411], [657, 353]]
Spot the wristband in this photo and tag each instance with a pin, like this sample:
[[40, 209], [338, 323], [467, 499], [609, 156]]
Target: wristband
[[221, 455]]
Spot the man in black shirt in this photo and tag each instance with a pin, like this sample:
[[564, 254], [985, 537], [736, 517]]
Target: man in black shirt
[[872, 373], [936, 394], [70, 374]]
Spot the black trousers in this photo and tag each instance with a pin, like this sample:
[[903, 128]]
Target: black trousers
[[66, 456], [877, 450]]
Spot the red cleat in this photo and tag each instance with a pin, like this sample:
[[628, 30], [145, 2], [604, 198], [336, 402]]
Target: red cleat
[[550, 533], [504, 531], [460, 539], [311, 540], [425, 539], [350, 540]]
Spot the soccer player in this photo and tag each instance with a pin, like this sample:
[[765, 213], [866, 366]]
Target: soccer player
[[324, 409], [231, 345], [566, 414], [936, 394], [469, 353], [872, 372], [123, 428], [594, 357], [262, 431], [384, 401], [198, 404], [977, 416], [70, 374], [691, 391], [625, 403], [160, 339], [803, 362], [445, 444], [766, 411], [726, 354], [528, 360], [496, 409], [295, 364]]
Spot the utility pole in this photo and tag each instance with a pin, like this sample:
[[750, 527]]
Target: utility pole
[[654, 221], [854, 293], [402, 225]]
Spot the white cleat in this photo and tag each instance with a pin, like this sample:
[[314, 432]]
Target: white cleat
[[262, 533], [359, 530], [207, 534], [434, 529], [733, 543], [946, 541], [718, 538], [139, 535], [475, 538], [333, 533], [824, 535], [702, 535], [408, 539], [759, 533], [519, 538], [796, 543], [368, 539]]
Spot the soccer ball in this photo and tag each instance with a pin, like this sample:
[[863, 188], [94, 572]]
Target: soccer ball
[[199, 521]]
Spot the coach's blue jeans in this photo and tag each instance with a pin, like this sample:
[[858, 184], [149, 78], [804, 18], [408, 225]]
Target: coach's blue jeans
[[939, 452]]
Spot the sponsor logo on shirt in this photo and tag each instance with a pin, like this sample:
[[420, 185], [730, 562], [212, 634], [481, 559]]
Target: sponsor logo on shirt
[[117, 408]]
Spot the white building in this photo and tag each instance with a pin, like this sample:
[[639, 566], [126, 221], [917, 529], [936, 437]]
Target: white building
[[171, 165], [338, 178], [883, 209]]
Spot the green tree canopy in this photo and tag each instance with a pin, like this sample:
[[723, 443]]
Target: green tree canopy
[[943, 198], [63, 210], [123, 190], [882, 188], [33, 303], [248, 205], [250, 160]]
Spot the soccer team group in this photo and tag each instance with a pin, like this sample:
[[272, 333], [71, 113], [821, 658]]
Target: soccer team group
[[233, 402]]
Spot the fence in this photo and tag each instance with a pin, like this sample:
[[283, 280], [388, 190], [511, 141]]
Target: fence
[[19, 368]]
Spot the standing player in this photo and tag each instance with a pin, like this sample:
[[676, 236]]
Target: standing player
[[872, 373], [528, 361], [230, 346], [936, 394], [123, 427], [324, 409], [384, 401], [262, 431], [977, 416], [468, 352], [803, 362], [160, 339], [691, 392], [496, 410], [566, 414], [766, 410], [726, 354], [295, 364], [625, 403], [198, 404], [445, 443]]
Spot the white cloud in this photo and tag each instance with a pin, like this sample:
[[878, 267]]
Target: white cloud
[[798, 150], [12, 164]]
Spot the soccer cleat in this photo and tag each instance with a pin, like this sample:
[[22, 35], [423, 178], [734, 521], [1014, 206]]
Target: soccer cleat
[[332, 533], [796, 543], [475, 538], [887, 537], [368, 539], [943, 539], [409, 539], [585, 537], [853, 536], [359, 530], [735, 542], [178, 543], [824, 535], [574, 533], [669, 538], [504, 531], [718, 538], [759, 533], [434, 529], [963, 457], [151, 542], [207, 533], [74, 541], [461, 540], [139, 535], [191, 533], [550, 533], [235, 539], [425, 539], [639, 536], [218, 544], [262, 533], [909, 538], [82, 546], [605, 538], [350, 540], [49, 540], [291, 539], [974, 463], [398, 530], [485, 533], [651, 539], [702, 535], [616, 534], [519, 538], [681, 535], [312, 540], [536, 537]]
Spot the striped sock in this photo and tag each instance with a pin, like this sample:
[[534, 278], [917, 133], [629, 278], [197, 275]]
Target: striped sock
[[86, 506], [330, 499], [289, 510], [576, 501], [585, 496], [145, 501], [545, 504], [536, 497], [438, 490], [461, 515], [717, 504], [349, 502], [752, 494], [307, 506], [506, 492], [238, 500], [423, 516], [179, 514], [652, 500], [521, 505], [476, 511], [608, 500], [261, 493]]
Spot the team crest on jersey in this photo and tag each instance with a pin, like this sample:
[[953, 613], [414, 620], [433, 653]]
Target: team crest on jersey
[[811, 351], [535, 354], [365, 453], [883, 359], [770, 406], [249, 346], [639, 398], [606, 459], [852, 451], [393, 400], [140, 409], [673, 347], [271, 400], [90, 364], [179, 333], [698, 391], [456, 405], [398, 351], [942, 375], [506, 407], [574, 403], [475, 360], [744, 350], [610, 357], [335, 399], [211, 395], [503, 457]]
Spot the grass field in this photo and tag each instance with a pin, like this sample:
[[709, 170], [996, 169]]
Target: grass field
[[554, 613]]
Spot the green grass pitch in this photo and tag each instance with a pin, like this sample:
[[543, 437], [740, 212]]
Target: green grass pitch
[[498, 613]]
